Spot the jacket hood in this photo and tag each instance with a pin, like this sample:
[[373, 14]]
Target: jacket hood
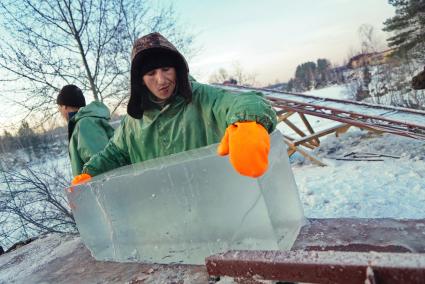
[[93, 109], [154, 44]]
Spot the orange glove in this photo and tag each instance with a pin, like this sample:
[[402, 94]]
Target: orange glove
[[248, 144], [82, 178]]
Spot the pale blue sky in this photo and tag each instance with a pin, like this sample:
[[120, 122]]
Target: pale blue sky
[[268, 38], [271, 37]]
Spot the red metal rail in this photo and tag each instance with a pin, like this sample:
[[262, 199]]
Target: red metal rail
[[336, 251], [353, 118], [298, 103], [320, 266]]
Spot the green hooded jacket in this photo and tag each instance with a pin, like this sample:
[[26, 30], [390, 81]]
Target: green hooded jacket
[[196, 115], [180, 126], [88, 132]]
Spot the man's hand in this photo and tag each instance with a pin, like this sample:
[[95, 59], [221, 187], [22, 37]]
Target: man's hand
[[248, 145]]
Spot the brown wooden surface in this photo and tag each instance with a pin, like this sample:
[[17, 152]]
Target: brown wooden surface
[[357, 234], [65, 259]]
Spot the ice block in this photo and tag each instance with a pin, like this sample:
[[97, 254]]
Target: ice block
[[184, 207]]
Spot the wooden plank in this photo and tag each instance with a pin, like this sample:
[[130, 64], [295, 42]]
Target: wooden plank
[[280, 112], [308, 156], [299, 132], [285, 116], [319, 134], [342, 130], [291, 144], [316, 140], [288, 137], [291, 151], [295, 128]]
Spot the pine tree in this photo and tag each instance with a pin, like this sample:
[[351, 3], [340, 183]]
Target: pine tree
[[26, 135], [306, 75], [408, 24], [323, 72]]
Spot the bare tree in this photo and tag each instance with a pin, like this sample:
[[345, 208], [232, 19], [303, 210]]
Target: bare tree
[[33, 202], [46, 44], [237, 73], [219, 77], [369, 41], [242, 77]]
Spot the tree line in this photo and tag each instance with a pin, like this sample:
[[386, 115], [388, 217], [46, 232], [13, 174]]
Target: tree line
[[28, 139], [317, 74], [387, 83]]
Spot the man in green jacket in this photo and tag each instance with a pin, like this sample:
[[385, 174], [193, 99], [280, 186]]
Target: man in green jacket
[[169, 113], [88, 127]]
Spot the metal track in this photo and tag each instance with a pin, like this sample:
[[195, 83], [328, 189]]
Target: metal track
[[395, 120]]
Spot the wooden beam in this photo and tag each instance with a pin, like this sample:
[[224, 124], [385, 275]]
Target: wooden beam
[[320, 134], [291, 151], [342, 130], [284, 116], [288, 137], [307, 124], [308, 156], [299, 132], [280, 112], [295, 128], [291, 140]]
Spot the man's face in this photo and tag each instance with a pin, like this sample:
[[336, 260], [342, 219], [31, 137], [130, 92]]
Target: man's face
[[63, 110], [161, 82]]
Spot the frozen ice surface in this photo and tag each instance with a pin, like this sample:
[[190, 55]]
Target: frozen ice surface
[[184, 207]]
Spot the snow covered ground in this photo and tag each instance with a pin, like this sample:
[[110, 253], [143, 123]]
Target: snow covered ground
[[332, 92], [366, 189]]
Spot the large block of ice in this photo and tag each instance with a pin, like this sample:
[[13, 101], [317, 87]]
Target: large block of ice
[[184, 207]]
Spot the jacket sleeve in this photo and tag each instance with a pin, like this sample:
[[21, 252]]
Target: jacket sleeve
[[113, 156], [92, 138], [229, 108]]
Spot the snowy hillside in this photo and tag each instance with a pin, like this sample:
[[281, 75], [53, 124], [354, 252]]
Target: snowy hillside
[[386, 84]]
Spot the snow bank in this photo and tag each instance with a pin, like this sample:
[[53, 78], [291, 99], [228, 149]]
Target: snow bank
[[392, 188]]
